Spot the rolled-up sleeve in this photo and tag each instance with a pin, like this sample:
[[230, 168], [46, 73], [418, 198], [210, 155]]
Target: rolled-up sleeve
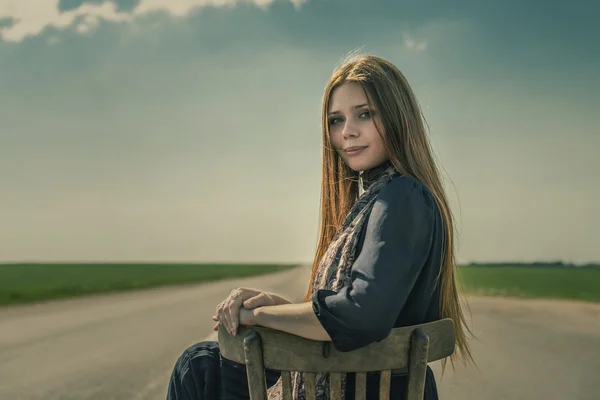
[[396, 245]]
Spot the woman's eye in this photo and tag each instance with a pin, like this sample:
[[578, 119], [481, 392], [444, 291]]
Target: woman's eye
[[366, 114], [334, 121]]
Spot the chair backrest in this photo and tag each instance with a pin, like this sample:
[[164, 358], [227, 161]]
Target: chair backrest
[[409, 348]]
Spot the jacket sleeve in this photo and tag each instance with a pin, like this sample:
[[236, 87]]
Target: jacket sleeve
[[398, 239]]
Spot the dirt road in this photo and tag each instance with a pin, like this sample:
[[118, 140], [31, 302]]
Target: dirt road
[[116, 346], [529, 350], [124, 346]]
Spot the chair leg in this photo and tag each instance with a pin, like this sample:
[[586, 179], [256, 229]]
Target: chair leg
[[417, 369], [255, 369]]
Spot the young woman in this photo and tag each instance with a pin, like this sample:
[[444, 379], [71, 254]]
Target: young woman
[[385, 256]]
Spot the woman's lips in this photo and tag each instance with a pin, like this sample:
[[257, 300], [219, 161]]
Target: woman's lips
[[352, 151]]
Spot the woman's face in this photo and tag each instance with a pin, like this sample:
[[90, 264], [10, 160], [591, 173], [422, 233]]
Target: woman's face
[[352, 128]]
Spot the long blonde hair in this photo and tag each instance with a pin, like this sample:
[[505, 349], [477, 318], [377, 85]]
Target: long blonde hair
[[409, 151]]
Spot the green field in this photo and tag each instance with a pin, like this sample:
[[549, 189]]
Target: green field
[[25, 283], [532, 282]]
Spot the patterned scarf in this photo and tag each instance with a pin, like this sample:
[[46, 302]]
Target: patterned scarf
[[333, 272]]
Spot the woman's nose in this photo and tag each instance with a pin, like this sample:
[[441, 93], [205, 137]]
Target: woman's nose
[[349, 130]]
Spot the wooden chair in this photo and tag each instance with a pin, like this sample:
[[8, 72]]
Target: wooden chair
[[408, 348]]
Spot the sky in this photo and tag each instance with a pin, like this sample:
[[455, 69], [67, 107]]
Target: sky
[[189, 130]]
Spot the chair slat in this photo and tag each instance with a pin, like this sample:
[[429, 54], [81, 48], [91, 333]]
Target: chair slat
[[286, 383], [385, 382], [361, 386], [310, 386], [335, 384], [417, 368], [255, 370]]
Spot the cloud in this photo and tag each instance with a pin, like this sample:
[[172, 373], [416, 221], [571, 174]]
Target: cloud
[[414, 45], [30, 17], [52, 40]]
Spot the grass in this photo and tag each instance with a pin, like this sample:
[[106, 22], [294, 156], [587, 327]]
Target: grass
[[26, 283], [532, 282]]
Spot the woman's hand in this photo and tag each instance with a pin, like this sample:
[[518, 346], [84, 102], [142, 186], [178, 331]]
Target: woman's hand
[[239, 301]]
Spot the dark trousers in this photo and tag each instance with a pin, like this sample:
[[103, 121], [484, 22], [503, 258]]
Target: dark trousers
[[201, 373]]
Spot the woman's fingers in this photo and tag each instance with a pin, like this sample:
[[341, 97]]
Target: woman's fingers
[[231, 313], [228, 311], [252, 302], [260, 300], [232, 310], [219, 309], [235, 312], [223, 314], [222, 319]]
